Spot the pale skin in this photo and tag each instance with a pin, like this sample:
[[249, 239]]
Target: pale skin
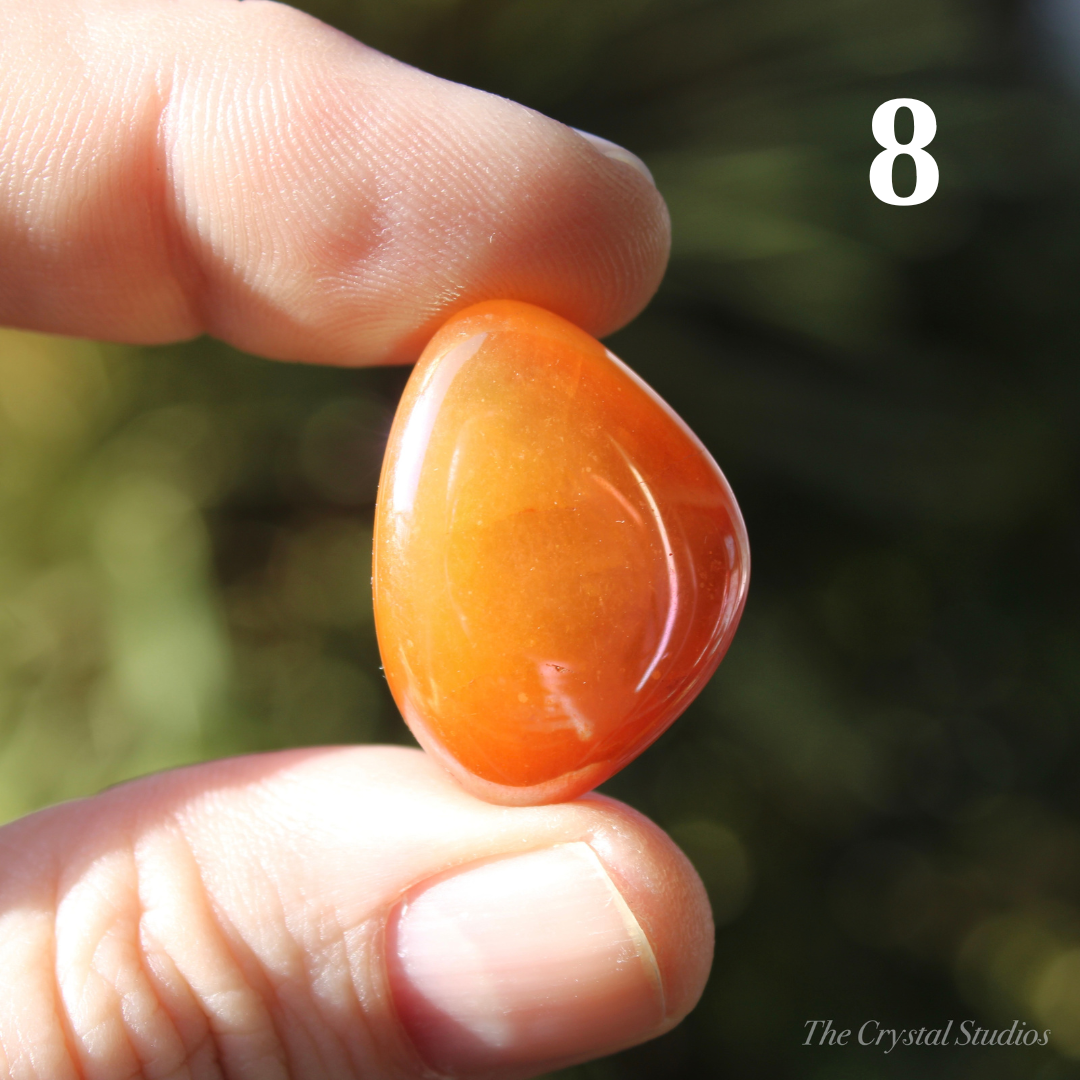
[[176, 167]]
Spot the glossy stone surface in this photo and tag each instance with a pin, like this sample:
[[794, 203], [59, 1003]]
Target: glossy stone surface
[[559, 563]]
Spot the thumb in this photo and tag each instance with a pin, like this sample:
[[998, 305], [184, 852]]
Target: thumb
[[337, 913]]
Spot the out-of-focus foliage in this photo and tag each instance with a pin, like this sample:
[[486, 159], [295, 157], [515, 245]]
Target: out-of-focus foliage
[[879, 787], [185, 560]]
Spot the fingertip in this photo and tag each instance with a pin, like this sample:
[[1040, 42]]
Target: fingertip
[[524, 962], [528, 209], [666, 895], [578, 948]]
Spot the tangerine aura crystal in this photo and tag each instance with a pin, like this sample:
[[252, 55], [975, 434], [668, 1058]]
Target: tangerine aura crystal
[[559, 563]]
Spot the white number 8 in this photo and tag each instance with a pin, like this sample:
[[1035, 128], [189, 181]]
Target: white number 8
[[926, 170]]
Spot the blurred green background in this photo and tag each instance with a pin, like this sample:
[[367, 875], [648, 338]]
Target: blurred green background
[[880, 785]]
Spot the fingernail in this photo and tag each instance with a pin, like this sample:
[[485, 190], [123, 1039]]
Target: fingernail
[[528, 961], [618, 153]]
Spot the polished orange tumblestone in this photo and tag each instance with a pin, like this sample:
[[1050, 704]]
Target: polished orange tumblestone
[[559, 563]]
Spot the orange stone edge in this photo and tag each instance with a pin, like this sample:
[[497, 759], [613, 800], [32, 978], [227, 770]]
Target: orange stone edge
[[561, 789], [581, 781]]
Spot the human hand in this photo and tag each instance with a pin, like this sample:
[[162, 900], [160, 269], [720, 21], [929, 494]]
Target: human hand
[[169, 169]]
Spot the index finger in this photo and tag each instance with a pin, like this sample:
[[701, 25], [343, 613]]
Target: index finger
[[173, 169]]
